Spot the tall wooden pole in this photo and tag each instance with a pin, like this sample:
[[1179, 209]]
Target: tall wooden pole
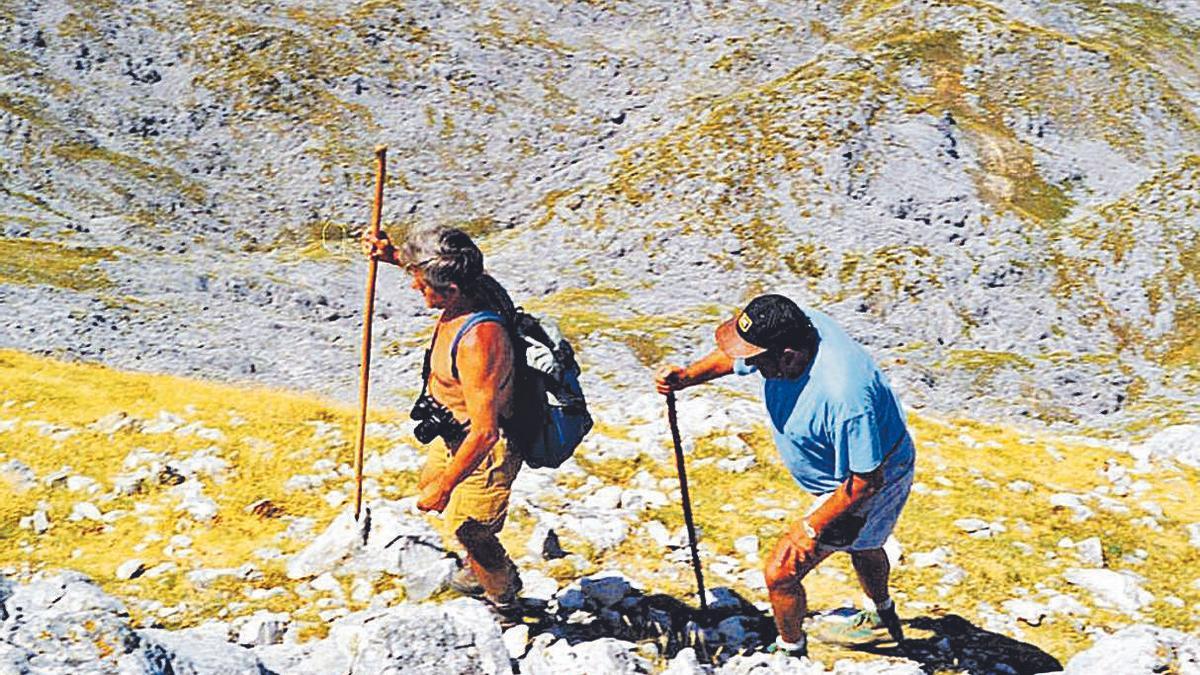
[[368, 312], [673, 421]]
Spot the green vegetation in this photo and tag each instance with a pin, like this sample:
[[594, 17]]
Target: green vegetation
[[269, 436], [135, 167], [584, 313], [30, 263]]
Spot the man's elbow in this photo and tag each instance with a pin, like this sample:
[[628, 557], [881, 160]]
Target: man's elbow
[[487, 434], [864, 485]]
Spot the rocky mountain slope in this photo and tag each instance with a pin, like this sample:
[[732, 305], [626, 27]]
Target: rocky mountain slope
[[999, 198], [205, 516]]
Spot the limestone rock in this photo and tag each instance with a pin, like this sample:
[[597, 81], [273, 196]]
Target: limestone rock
[[1139, 650], [1119, 590], [197, 652]]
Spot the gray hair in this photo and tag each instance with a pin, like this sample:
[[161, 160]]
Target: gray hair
[[446, 256]]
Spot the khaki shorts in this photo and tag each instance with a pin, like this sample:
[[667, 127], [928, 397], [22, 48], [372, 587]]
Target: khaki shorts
[[483, 495]]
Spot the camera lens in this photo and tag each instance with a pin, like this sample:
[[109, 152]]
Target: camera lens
[[426, 431]]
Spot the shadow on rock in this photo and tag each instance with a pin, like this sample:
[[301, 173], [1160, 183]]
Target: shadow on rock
[[957, 645], [609, 607]]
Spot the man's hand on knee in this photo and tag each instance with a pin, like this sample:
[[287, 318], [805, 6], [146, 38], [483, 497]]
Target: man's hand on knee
[[794, 556]]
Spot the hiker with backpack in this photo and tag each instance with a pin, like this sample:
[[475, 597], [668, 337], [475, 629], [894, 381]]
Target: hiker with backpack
[[499, 388], [469, 470], [841, 433]]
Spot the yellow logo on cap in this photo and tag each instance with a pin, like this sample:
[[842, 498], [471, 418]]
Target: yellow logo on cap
[[744, 322]]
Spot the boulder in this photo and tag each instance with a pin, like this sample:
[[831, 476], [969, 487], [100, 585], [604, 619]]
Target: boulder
[[1139, 650], [606, 655], [386, 539], [1118, 590], [455, 637], [198, 652]]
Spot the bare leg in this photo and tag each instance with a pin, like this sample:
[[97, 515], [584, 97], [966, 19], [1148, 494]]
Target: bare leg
[[785, 568], [873, 569]]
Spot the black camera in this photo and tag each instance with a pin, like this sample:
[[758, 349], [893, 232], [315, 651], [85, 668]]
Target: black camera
[[433, 420]]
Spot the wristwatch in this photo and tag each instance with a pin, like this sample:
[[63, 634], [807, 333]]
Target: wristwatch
[[808, 530]]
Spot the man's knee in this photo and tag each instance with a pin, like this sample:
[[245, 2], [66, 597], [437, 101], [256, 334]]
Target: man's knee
[[781, 578]]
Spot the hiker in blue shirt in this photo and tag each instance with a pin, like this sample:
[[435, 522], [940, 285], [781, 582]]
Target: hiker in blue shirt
[[841, 433]]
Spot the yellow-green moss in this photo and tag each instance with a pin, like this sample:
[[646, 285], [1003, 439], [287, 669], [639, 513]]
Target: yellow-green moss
[[29, 263], [134, 166]]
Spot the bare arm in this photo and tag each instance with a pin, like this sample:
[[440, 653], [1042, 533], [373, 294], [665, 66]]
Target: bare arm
[[485, 367], [713, 365], [850, 493]]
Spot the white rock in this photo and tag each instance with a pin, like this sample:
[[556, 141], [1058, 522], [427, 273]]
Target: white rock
[[1090, 552], [516, 640], [85, 511], [1028, 611], [1193, 532], [263, 628], [1073, 502], [936, 557], [538, 586], [736, 465], [747, 546], [130, 569], [82, 483], [1139, 650], [659, 535], [160, 570], [607, 497], [1064, 604], [1118, 590], [1180, 442], [327, 583], [971, 524], [39, 522]]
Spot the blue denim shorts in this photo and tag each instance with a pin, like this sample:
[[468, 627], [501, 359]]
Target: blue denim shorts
[[882, 509]]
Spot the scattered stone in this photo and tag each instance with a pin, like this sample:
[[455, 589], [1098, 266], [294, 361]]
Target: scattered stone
[[1074, 503], [85, 511], [605, 589], [1180, 443], [39, 522], [263, 628], [1090, 552], [1139, 650], [1027, 611], [516, 640], [1118, 590], [747, 546], [1020, 486], [130, 569], [934, 558]]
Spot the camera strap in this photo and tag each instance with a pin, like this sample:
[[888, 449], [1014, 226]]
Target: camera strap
[[427, 367]]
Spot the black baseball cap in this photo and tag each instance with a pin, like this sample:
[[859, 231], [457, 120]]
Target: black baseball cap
[[769, 321]]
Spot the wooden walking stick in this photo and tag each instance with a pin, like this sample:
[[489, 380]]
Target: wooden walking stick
[[673, 420], [368, 311]]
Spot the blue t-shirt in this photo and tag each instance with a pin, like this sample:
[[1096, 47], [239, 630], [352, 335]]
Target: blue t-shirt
[[839, 417]]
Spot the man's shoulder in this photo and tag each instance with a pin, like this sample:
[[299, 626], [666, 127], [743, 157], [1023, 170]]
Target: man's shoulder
[[482, 335]]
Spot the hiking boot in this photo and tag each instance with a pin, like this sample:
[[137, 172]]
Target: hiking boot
[[862, 628], [464, 582], [508, 607]]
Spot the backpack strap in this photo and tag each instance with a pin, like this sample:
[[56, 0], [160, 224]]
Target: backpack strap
[[472, 321]]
